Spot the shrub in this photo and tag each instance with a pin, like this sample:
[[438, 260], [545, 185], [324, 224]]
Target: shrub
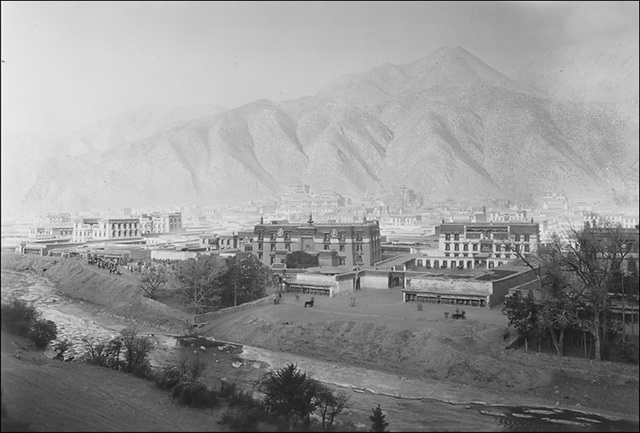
[[61, 347], [17, 317], [242, 419], [244, 399], [168, 377], [227, 389], [136, 350], [143, 371], [195, 394], [192, 367], [105, 354], [43, 332]]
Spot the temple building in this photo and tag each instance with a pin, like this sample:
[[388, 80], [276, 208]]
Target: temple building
[[334, 244]]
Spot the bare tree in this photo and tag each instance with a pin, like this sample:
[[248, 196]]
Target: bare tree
[[200, 281], [151, 280], [592, 256]]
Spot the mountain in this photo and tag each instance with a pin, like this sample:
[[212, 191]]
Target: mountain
[[446, 125], [595, 71]]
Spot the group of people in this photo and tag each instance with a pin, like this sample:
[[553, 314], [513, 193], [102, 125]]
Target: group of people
[[105, 263]]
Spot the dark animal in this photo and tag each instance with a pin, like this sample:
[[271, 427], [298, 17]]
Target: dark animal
[[309, 303]]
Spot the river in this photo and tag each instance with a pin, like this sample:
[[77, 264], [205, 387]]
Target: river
[[405, 402]]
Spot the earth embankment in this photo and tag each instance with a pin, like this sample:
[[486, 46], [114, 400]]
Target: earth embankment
[[118, 295], [384, 334]]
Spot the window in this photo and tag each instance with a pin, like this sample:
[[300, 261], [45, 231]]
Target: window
[[326, 247], [273, 247], [526, 238], [259, 236], [456, 237], [419, 262], [427, 264], [273, 260], [341, 261], [447, 247], [526, 248], [475, 247], [359, 236], [287, 236], [273, 236], [469, 263], [456, 247], [260, 246], [288, 247], [465, 247], [358, 247], [436, 264], [447, 237], [326, 237], [518, 237], [444, 264], [342, 237], [342, 248], [260, 256]]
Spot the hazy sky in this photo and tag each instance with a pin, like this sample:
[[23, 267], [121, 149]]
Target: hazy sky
[[65, 64]]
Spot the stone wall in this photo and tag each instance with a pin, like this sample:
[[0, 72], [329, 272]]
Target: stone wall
[[451, 286], [371, 280]]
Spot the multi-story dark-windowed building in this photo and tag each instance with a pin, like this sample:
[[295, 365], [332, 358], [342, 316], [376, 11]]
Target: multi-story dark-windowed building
[[335, 244], [485, 244]]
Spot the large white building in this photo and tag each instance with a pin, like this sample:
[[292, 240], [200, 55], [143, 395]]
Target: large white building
[[96, 229]]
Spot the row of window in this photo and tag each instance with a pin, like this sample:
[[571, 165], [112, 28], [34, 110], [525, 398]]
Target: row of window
[[341, 260], [326, 236], [498, 247], [456, 237], [460, 264]]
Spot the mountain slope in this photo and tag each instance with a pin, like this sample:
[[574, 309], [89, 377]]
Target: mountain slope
[[447, 125]]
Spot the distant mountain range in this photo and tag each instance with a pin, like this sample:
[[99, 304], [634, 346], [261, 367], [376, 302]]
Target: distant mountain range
[[446, 125]]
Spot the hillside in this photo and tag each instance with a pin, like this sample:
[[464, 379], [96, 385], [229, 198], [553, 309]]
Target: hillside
[[447, 125]]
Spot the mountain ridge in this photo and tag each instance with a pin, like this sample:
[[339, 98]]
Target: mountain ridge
[[445, 125]]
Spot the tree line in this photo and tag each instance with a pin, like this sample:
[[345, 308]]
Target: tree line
[[588, 292], [210, 282]]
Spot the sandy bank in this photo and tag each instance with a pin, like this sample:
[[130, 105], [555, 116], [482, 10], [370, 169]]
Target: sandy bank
[[112, 294]]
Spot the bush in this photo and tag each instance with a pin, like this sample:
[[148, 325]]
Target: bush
[[227, 389], [17, 317], [195, 394], [105, 354], [136, 350], [143, 371], [244, 399], [169, 377], [192, 367], [61, 347], [43, 332], [242, 419]]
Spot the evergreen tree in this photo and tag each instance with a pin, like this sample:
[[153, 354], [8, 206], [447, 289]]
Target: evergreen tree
[[378, 420]]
